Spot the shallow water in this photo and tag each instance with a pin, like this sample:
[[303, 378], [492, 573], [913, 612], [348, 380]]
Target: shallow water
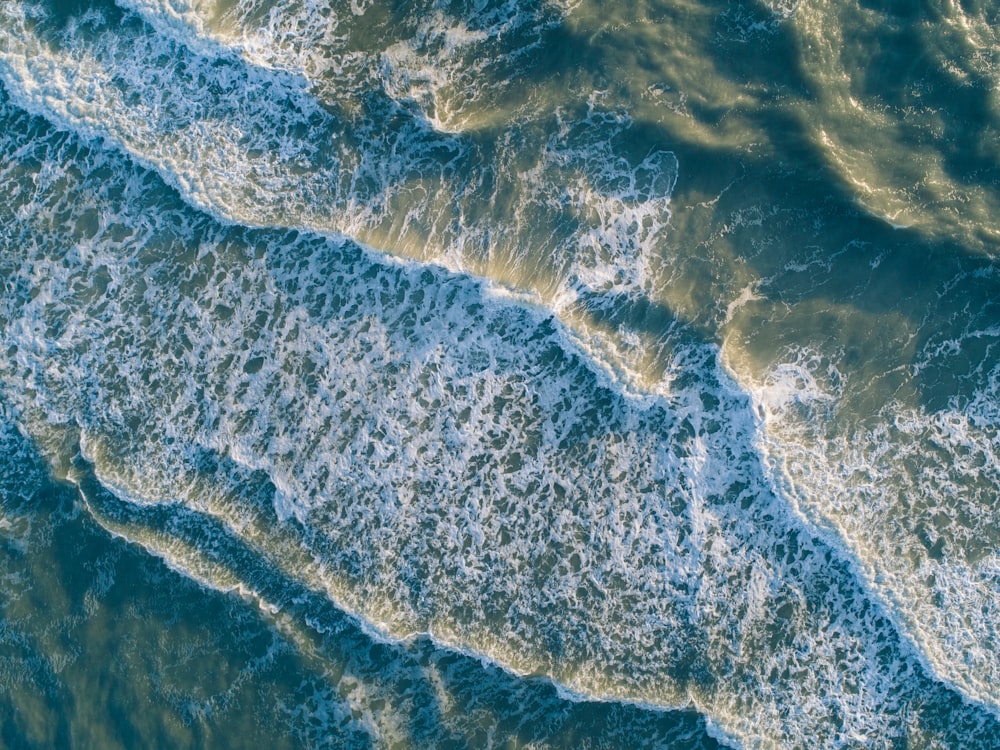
[[499, 374]]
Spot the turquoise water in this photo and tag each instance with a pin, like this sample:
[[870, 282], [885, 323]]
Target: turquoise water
[[499, 374]]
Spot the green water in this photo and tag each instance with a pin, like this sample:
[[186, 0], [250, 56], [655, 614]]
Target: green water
[[499, 374], [104, 646]]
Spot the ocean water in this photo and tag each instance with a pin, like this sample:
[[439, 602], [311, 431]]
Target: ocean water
[[547, 374]]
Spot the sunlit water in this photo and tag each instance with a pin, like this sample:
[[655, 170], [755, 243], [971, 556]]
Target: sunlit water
[[499, 374]]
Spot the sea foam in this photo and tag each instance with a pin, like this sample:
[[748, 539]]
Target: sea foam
[[440, 459]]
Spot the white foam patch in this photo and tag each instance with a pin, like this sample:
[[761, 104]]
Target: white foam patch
[[182, 20], [357, 144], [217, 130], [445, 460], [912, 492], [783, 9]]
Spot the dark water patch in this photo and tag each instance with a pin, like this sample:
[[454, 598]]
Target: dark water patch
[[103, 646], [65, 22]]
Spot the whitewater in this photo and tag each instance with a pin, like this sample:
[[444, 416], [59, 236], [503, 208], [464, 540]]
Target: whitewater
[[499, 374]]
